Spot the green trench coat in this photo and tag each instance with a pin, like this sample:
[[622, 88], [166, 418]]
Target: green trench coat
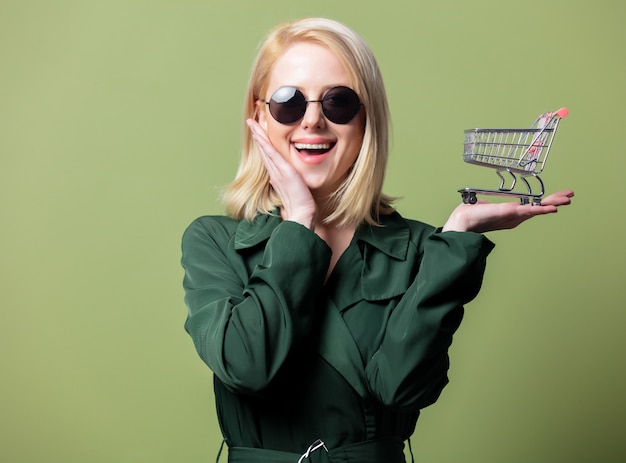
[[352, 359]]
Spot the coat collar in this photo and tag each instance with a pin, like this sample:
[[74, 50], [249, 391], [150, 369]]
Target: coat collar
[[249, 234], [391, 237]]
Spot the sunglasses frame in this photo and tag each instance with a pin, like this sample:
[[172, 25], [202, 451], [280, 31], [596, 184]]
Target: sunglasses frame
[[325, 98]]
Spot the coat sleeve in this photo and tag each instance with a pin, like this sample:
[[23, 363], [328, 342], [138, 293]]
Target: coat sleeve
[[409, 370], [244, 326]]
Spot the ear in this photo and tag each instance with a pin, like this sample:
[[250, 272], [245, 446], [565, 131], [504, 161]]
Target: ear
[[261, 113]]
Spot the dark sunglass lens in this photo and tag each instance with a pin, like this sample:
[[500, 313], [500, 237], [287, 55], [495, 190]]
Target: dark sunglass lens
[[287, 105], [341, 104]]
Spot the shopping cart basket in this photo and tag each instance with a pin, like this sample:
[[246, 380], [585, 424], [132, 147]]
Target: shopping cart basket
[[517, 152]]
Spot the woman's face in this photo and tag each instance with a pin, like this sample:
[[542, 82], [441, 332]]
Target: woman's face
[[320, 150]]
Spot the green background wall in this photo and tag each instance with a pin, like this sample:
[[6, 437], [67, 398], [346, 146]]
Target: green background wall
[[119, 121]]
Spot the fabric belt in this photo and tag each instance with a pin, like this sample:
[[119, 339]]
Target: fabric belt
[[387, 450]]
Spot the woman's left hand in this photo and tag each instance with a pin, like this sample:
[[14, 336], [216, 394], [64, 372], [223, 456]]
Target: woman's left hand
[[484, 216]]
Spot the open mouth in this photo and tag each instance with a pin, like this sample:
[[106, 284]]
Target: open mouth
[[314, 148]]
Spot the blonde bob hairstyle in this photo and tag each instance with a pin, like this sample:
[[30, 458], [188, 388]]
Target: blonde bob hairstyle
[[359, 199]]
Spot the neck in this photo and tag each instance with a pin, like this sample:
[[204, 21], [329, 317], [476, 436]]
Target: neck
[[337, 238]]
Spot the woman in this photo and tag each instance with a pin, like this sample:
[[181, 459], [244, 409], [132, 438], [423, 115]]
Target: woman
[[325, 316]]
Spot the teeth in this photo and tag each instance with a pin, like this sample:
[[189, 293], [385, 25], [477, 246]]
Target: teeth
[[312, 146]]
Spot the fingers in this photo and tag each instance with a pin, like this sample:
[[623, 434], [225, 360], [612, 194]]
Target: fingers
[[560, 198], [277, 167], [267, 151]]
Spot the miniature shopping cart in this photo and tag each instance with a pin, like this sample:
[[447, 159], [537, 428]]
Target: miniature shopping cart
[[513, 153]]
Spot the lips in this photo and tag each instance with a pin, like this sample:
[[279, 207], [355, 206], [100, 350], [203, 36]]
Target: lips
[[313, 148]]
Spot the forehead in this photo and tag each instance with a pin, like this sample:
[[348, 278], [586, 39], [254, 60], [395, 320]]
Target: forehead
[[308, 65]]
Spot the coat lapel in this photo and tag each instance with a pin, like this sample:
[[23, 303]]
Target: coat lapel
[[338, 348], [374, 269]]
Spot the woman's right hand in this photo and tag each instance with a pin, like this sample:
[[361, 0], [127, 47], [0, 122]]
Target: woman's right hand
[[298, 204]]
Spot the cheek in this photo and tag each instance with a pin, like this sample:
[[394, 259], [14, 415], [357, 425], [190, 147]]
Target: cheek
[[357, 142], [277, 133], [280, 136]]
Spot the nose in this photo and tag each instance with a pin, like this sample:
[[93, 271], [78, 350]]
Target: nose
[[313, 116]]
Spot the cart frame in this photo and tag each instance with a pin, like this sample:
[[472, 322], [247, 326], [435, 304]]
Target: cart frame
[[518, 153]]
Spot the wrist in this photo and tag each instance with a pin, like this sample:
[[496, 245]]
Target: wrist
[[307, 220], [456, 222]]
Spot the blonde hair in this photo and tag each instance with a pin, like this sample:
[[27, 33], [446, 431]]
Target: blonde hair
[[359, 199]]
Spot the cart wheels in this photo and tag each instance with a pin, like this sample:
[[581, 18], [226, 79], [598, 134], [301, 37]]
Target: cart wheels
[[469, 197]]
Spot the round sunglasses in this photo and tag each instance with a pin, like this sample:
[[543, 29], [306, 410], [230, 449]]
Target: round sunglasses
[[339, 105]]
